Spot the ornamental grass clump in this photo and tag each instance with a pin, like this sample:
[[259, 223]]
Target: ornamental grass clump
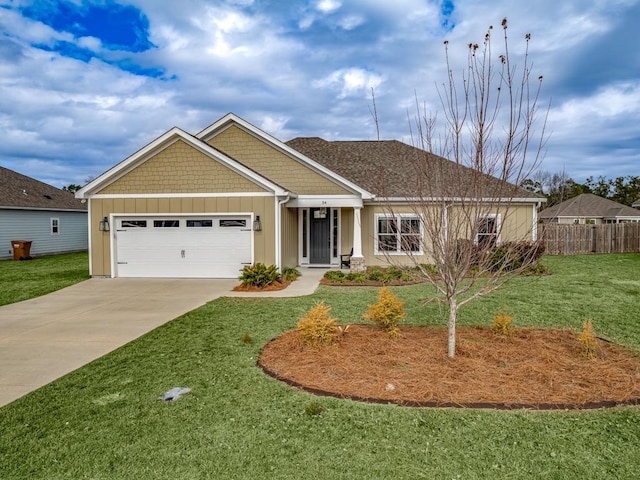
[[317, 328], [259, 275], [588, 341], [291, 274], [387, 312], [502, 324]]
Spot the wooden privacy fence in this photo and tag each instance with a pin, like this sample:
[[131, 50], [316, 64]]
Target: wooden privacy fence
[[581, 239]]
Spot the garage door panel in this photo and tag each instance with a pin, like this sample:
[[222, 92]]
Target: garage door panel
[[188, 252]]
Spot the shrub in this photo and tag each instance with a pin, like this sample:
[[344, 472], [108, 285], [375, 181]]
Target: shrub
[[246, 339], [259, 275], [588, 341], [502, 324], [317, 328], [335, 276], [407, 276], [376, 274], [290, 274], [428, 269], [394, 273], [357, 277], [387, 312], [514, 255]]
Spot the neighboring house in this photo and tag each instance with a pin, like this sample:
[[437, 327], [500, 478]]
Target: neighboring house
[[636, 204], [54, 220], [590, 209], [205, 205]]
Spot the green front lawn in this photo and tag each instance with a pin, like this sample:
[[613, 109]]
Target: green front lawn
[[104, 421], [42, 275]]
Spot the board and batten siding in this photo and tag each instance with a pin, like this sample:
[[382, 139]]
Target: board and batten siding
[[517, 225], [264, 206], [35, 226], [289, 232]]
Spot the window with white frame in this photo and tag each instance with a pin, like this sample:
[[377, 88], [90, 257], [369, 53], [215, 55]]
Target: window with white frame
[[400, 233], [55, 226], [488, 230]]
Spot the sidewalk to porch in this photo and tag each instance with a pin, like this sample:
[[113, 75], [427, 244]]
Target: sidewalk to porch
[[306, 284]]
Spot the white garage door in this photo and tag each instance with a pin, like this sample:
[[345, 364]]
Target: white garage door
[[182, 247]]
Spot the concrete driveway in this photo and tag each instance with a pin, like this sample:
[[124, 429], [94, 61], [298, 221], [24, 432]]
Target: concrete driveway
[[46, 337]]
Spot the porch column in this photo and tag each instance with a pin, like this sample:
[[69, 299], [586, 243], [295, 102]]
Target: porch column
[[357, 260]]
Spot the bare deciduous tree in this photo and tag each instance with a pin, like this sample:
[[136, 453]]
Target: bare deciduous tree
[[477, 228]]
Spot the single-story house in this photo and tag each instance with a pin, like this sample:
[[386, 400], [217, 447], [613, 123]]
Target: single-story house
[[204, 205], [51, 218], [590, 209]]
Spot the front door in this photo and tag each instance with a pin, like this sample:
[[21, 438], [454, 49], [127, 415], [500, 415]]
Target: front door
[[319, 236]]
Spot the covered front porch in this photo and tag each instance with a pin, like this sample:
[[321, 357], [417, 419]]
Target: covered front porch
[[328, 227]]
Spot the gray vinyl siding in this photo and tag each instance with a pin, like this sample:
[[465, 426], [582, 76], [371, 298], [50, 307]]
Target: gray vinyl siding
[[35, 225]]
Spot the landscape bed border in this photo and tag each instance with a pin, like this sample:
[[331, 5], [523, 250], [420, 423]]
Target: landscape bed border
[[435, 404]]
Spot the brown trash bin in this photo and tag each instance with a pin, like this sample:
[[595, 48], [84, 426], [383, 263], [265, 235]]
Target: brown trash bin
[[21, 249]]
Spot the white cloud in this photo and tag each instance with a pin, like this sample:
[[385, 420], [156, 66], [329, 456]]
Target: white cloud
[[351, 21], [328, 6], [306, 68], [275, 125], [91, 43], [611, 101], [350, 81]]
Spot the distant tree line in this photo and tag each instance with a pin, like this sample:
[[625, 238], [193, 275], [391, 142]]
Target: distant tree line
[[558, 187], [73, 188]]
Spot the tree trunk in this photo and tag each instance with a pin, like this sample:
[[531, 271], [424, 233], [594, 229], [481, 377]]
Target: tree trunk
[[453, 312]]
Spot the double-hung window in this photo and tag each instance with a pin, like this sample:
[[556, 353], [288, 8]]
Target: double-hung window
[[55, 226], [400, 233], [488, 229]]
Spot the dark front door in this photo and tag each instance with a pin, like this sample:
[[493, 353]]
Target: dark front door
[[320, 240]]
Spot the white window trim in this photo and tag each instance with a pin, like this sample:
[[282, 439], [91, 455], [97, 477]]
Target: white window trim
[[498, 233], [398, 217], [55, 220]]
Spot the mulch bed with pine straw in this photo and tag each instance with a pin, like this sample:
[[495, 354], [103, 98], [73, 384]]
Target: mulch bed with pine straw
[[531, 368], [274, 287], [371, 283]]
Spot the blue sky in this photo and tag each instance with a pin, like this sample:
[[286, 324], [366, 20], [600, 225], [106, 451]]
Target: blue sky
[[84, 84]]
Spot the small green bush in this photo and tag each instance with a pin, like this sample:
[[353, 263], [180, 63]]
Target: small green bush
[[356, 277], [317, 328], [407, 276], [259, 275], [428, 269], [376, 274], [515, 255], [394, 273], [387, 312], [335, 276], [290, 274]]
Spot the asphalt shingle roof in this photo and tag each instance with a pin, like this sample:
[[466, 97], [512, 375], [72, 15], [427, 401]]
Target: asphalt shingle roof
[[390, 168], [20, 191], [589, 205]]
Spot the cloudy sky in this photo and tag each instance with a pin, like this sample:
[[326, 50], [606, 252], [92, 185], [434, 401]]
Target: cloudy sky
[[85, 83]]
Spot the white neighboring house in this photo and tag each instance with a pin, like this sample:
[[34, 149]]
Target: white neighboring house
[[53, 219], [589, 209]]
